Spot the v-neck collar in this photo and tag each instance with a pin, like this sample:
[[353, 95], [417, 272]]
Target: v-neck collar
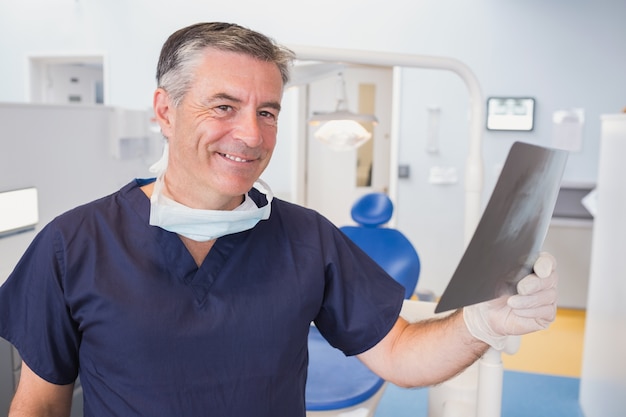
[[177, 258]]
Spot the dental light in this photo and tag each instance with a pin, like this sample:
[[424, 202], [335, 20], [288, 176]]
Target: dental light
[[342, 129]]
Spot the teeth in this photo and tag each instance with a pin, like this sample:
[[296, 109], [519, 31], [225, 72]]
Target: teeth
[[235, 158]]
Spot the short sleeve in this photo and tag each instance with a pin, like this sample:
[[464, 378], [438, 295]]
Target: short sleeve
[[34, 316], [361, 301]]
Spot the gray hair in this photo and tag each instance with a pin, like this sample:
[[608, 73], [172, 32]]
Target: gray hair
[[183, 49]]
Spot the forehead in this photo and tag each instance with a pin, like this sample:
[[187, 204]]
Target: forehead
[[217, 66]]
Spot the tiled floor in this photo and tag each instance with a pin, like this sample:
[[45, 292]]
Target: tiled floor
[[554, 351], [541, 379]]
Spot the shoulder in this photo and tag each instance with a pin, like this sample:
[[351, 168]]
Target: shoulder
[[131, 193], [285, 211], [286, 208], [302, 220], [108, 209]]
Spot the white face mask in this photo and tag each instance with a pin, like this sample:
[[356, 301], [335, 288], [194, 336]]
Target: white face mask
[[204, 225]]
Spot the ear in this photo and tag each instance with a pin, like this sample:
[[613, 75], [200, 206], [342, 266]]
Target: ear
[[163, 111]]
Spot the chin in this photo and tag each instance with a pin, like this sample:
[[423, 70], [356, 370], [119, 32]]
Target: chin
[[236, 187]]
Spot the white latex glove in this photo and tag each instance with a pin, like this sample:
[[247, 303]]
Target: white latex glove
[[532, 309]]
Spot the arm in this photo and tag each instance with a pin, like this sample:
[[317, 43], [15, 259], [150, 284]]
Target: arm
[[426, 353], [38, 397]]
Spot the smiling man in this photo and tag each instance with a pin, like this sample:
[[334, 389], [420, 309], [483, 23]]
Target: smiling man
[[191, 294]]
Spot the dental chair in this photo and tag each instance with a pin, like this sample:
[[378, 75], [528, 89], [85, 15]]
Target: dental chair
[[342, 386]]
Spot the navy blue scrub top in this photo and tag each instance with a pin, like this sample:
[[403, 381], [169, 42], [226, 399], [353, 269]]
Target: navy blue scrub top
[[103, 294]]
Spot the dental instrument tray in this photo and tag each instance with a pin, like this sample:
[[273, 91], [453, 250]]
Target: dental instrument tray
[[511, 231]]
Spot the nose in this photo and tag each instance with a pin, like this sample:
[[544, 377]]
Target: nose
[[248, 129]]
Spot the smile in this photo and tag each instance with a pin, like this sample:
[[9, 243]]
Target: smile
[[234, 158]]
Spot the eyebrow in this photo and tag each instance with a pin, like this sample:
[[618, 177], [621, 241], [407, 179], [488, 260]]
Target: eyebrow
[[224, 96]]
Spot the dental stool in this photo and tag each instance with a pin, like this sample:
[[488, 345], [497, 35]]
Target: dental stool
[[343, 386]]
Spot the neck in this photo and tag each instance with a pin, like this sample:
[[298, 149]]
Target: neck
[[230, 204], [198, 250]]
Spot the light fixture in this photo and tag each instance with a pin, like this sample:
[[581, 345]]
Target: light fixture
[[342, 129]]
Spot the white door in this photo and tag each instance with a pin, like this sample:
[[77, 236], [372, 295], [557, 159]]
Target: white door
[[67, 79], [335, 179]]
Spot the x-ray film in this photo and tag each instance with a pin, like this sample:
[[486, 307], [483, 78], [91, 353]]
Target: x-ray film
[[511, 231]]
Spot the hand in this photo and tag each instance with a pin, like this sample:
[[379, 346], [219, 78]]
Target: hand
[[532, 308]]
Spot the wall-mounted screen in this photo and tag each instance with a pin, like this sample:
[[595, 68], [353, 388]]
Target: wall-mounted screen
[[510, 113], [19, 211]]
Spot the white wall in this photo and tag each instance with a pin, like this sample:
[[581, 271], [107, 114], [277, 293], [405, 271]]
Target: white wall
[[566, 54]]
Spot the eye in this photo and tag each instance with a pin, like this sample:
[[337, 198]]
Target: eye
[[265, 113], [223, 108], [268, 116]]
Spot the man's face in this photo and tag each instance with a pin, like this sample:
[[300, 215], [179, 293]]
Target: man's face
[[223, 132]]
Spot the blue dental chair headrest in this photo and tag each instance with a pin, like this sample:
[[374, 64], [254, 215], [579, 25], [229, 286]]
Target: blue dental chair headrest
[[372, 210]]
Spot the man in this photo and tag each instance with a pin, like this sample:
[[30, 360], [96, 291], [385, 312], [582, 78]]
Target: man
[[192, 295]]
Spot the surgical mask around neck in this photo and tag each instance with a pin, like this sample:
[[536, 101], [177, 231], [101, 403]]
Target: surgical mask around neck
[[204, 225]]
